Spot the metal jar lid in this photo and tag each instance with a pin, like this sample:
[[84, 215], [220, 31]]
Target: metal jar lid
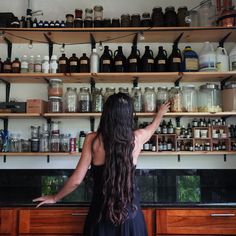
[[209, 86], [230, 85]]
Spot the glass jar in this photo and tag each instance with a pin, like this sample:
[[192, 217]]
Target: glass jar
[[97, 100], [69, 20], [55, 127], [88, 14], [107, 22], [55, 88], [125, 20], [34, 145], [25, 145], [149, 100], [229, 97], [65, 142], [135, 20], [146, 19], [170, 17], [98, 12], [137, 99], [209, 98], [175, 98], [35, 130], [124, 90], [55, 143], [71, 100], [15, 143], [157, 17], [189, 98], [55, 105], [84, 100], [115, 22], [108, 93], [44, 143], [206, 14], [78, 13], [162, 96]]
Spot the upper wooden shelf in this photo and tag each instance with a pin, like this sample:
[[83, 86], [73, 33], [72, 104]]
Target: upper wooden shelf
[[143, 77], [119, 35]]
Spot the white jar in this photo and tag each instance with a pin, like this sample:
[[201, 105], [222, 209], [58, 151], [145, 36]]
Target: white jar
[[207, 58], [53, 64], [232, 59], [45, 65]]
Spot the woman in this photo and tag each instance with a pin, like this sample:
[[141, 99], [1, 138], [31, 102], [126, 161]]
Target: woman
[[112, 152]]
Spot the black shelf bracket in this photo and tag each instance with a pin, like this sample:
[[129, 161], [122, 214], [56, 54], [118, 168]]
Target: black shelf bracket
[[135, 121], [135, 40], [135, 82], [224, 81], [176, 42], [179, 158], [178, 80], [9, 47], [92, 84], [225, 157], [92, 123], [46, 80], [92, 41], [222, 41], [4, 158], [48, 158], [50, 45], [8, 89]]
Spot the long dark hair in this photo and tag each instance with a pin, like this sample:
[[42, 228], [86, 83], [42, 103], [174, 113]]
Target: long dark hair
[[116, 131]]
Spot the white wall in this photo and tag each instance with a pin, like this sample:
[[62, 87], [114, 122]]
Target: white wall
[[23, 91]]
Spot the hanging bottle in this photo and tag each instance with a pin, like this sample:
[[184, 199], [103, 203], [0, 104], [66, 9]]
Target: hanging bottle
[[207, 58], [84, 64], [190, 60], [106, 60], [94, 61], [74, 64], [63, 64], [175, 60], [147, 61], [160, 61], [119, 60], [134, 60]]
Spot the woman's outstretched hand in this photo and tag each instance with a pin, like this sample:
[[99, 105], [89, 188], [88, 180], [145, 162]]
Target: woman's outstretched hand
[[164, 108], [50, 199]]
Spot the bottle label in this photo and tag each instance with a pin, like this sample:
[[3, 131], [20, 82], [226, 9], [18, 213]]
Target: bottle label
[[73, 63], [24, 65], [161, 62], [207, 62], [15, 65], [7, 67], [38, 67], [106, 62], [83, 62], [118, 63], [62, 62], [176, 60], [150, 61], [133, 60], [191, 64]]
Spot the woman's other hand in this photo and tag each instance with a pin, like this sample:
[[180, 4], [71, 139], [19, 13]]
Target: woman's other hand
[[50, 199], [164, 108]]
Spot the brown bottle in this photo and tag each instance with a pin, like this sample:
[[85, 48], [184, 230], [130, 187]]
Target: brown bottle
[[74, 64], [147, 61], [175, 60], [161, 60], [63, 64], [134, 60], [106, 60], [84, 64], [1, 66], [16, 66], [7, 68], [119, 60]]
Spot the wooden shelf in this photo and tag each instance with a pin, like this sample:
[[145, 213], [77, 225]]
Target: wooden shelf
[[119, 35], [71, 115], [20, 115], [39, 154]]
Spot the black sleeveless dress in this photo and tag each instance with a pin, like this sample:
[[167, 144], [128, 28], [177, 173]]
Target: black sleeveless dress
[[133, 226]]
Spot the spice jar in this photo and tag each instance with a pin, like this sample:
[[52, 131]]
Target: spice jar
[[78, 13], [125, 20], [175, 96], [55, 143], [84, 100], [181, 15], [55, 104], [149, 99], [55, 88], [170, 17], [97, 100], [108, 93], [137, 99], [71, 100], [146, 20], [98, 12], [135, 20], [157, 17], [78, 23], [88, 20], [69, 20], [162, 96], [189, 98]]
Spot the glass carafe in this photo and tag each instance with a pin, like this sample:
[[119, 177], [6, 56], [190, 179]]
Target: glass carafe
[[119, 60], [106, 60]]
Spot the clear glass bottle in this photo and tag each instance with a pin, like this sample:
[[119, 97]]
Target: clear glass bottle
[[189, 98], [35, 130], [108, 93], [55, 143], [38, 64], [31, 64], [149, 99], [55, 127], [175, 97], [55, 105], [24, 64], [137, 99], [84, 100], [53, 64], [44, 143], [71, 100], [88, 14], [97, 100], [162, 96]]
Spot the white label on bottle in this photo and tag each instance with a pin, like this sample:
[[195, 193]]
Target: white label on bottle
[[133, 60], [83, 62], [207, 62], [106, 62], [7, 67], [73, 63], [118, 63], [161, 62], [38, 68], [24, 65], [62, 62], [150, 61], [191, 64], [15, 65], [45, 67], [176, 60]]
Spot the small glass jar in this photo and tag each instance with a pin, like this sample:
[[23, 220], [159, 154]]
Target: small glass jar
[[108, 93], [65, 142], [25, 145], [135, 20], [189, 98], [88, 14], [55, 105], [149, 99], [84, 100], [78, 13], [55, 88], [181, 15], [125, 20], [71, 100], [137, 99], [55, 143], [157, 17], [15, 143], [98, 12], [162, 96], [146, 20], [44, 143], [55, 127], [175, 97], [170, 17], [34, 145], [124, 90], [97, 100], [193, 18], [69, 20]]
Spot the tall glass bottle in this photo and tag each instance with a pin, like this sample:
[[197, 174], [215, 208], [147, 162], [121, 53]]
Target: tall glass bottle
[[74, 64], [63, 64], [147, 60], [119, 60], [84, 63], [106, 60], [94, 61], [161, 60], [175, 60], [134, 60]]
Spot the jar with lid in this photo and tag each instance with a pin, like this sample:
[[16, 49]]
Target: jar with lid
[[189, 98], [108, 93], [170, 17], [175, 98], [229, 97], [25, 145], [124, 90], [181, 15], [71, 100], [69, 20], [34, 145], [137, 99], [84, 100], [135, 20], [35, 130], [149, 100], [146, 19], [209, 98], [55, 88], [55, 104], [98, 12], [15, 143], [97, 100], [88, 20], [125, 20], [65, 142], [44, 143], [157, 17], [162, 96], [55, 127], [78, 13], [55, 143]]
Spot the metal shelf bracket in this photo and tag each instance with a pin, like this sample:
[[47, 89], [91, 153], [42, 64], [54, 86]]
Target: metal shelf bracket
[[9, 47], [92, 83], [225, 157], [179, 158], [50, 45], [180, 76], [48, 158], [222, 41], [135, 82]]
